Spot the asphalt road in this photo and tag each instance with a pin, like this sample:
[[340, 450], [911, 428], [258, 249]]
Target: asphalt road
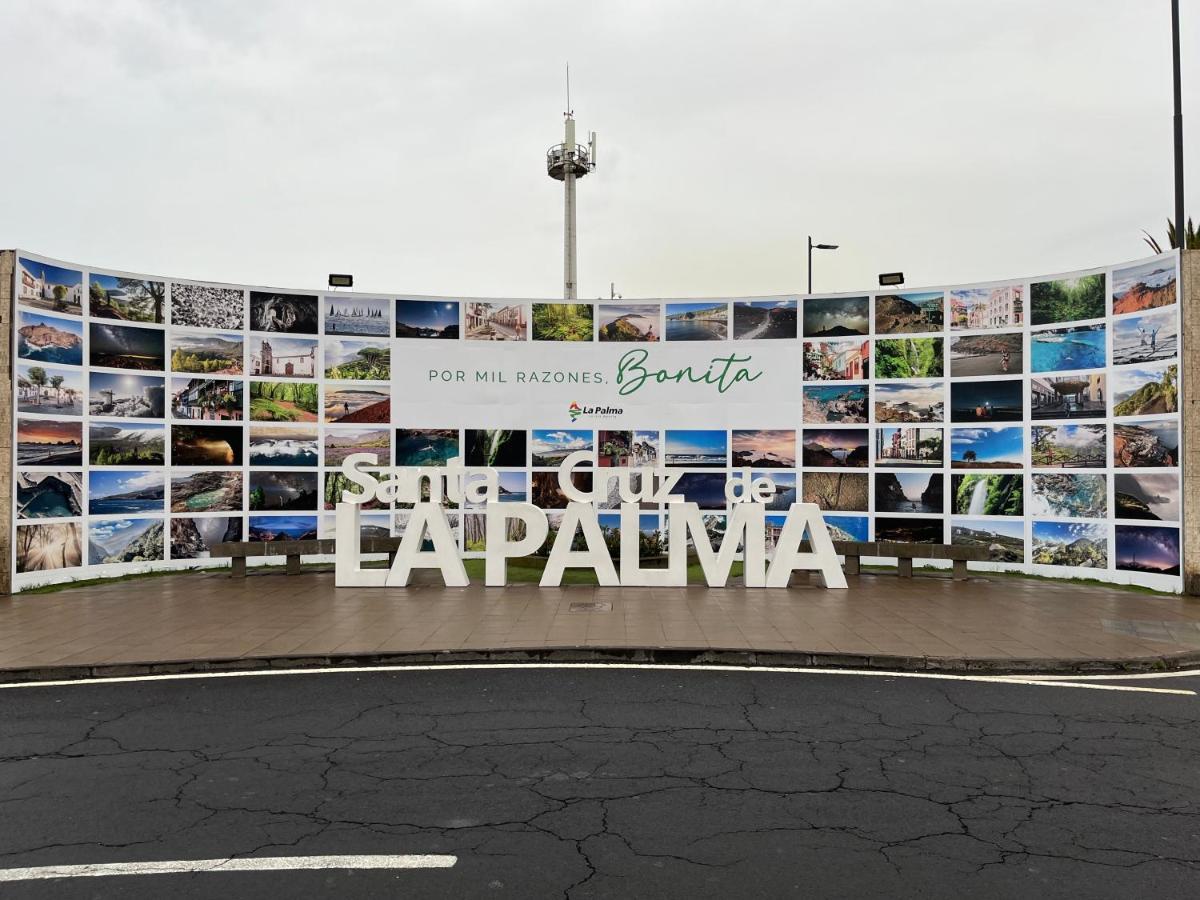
[[594, 783]]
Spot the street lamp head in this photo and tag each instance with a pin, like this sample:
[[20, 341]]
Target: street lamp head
[[825, 246]]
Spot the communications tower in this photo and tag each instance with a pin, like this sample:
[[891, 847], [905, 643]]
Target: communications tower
[[568, 162]]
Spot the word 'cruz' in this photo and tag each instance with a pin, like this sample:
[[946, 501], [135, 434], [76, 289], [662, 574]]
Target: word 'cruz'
[[426, 487]]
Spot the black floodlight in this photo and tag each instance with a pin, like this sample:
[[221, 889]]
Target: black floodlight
[[888, 279], [337, 281]]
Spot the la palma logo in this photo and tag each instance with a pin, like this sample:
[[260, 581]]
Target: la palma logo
[[574, 410]]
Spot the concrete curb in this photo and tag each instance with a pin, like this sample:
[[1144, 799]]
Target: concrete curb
[[647, 655]]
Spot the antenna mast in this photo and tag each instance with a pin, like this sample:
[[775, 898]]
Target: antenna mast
[[567, 162]]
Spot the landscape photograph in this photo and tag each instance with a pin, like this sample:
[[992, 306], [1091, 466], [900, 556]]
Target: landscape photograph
[[284, 445], [1072, 544], [908, 448], [499, 321], [126, 299], [206, 306], [49, 391], [351, 405], [562, 321], [699, 449], [628, 322], [1067, 300], [341, 442], [282, 528], [705, 489], [1145, 390], [205, 492], [194, 538], [547, 493], [215, 399], [1003, 541], [49, 495], [848, 528], [987, 308], [909, 402], [1068, 349], [987, 448], [49, 339], [986, 354], [126, 347], [1081, 396], [513, 487], [986, 401], [836, 316], [1068, 446], [126, 445], [282, 491], [836, 491], [908, 530], [1146, 496], [1143, 339], [499, 447], [283, 401], [550, 446], [207, 354], [370, 525], [825, 403], [1146, 445], [909, 492], [764, 449], [337, 485], [836, 447], [837, 360], [369, 317], [125, 493], [702, 321], [1063, 495], [49, 442], [113, 541], [1146, 286], [785, 493], [915, 313], [919, 357], [434, 446], [987, 495], [206, 445], [287, 313], [47, 286], [764, 319], [48, 545], [126, 396], [1147, 548]]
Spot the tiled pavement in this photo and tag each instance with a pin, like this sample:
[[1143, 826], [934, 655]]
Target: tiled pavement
[[209, 615]]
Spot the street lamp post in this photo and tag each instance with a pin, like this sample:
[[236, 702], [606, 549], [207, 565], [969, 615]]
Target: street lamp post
[[1180, 226], [811, 248]]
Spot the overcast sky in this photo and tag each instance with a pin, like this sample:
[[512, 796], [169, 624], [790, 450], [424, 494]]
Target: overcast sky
[[274, 141]]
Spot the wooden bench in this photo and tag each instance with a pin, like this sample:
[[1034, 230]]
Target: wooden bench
[[240, 551]]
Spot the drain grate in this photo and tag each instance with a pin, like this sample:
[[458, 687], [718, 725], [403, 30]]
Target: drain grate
[[590, 606]]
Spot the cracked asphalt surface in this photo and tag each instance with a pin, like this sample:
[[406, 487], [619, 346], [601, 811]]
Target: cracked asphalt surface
[[619, 783]]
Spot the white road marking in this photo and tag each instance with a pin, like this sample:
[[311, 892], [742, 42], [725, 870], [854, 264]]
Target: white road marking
[[1087, 682], [243, 864]]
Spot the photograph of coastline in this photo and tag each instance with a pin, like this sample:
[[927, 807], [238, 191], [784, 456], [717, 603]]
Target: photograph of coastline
[[764, 319], [49, 442], [562, 321], [284, 445], [986, 401], [977, 309], [987, 495], [764, 449], [697, 449], [986, 354], [351, 405], [1003, 540], [1081, 396], [50, 391], [1146, 496], [47, 286], [513, 487], [207, 398], [283, 401], [434, 446], [1061, 495], [126, 396], [207, 354], [1145, 286], [206, 445], [341, 442], [916, 313], [364, 316], [628, 322], [282, 491], [286, 313], [498, 447], [702, 321], [126, 445], [1067, 300], [836, 316], [1143, 339], [1147, 548], [919, 357], [1146, 445], [194, 538], [909, 492], [1068, 446], [49, 339], [785, 493], [987, 448], [848, 528], [909, 402], [112, 541], [908, 448], [836, 491], [126, 493], [840, 360], [126, 347], [1068, 349], [45, 546], [127, 299], [205, 306], [496, 321], [825, 403], [282, 528], [1145, 390], [205, 491], [49, 495], [836, 447], [550, 446], [908, 530]]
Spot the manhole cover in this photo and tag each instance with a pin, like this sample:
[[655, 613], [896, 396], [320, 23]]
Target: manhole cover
[[591, 606]]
